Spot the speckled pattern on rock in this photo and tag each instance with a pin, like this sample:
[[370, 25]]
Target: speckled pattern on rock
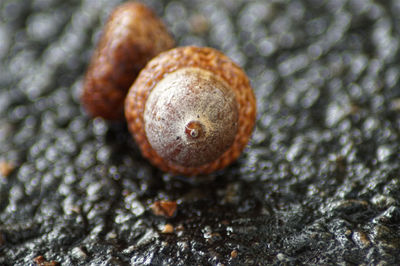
[[319, 182]]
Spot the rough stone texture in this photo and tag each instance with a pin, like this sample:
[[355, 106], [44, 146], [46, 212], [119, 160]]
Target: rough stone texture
[[319, 182]]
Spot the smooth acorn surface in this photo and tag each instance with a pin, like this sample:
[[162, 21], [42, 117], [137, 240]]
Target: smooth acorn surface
[[191, 110], [132, 36]]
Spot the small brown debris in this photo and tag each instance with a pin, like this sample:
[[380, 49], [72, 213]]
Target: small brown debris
[[6, 168], [164, 208], [40, 261], [225, 222], [199, 24], [168, 229], [361, 239], [76, 209], [234, 254], [2, 240], [354, 109], [126, 192], [180, 228], [215, 235], [395, 104], [341, 164]]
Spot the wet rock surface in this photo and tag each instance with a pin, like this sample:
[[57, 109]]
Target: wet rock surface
[[319, 182]]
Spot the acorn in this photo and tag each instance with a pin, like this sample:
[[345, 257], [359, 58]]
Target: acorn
[[191, 110], [132, 36]]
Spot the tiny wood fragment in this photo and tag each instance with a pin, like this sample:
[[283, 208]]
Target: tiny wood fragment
[[164, 208], [234, 254], [40, 261], [6, 168], [168, 229]]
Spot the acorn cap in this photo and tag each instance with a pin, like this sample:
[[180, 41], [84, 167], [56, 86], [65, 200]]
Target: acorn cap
[[191, 110], [132, 36]]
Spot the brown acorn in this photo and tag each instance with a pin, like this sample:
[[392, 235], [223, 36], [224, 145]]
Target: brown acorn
[[132, 36], [191, 110]]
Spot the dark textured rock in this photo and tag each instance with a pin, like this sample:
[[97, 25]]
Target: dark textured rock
[[319, 183]]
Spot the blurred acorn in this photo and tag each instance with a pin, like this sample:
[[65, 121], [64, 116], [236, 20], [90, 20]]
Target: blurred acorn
[[132, 36]]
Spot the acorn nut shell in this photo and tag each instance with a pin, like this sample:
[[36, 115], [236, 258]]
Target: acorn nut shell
[[132, 36], [191, 110]]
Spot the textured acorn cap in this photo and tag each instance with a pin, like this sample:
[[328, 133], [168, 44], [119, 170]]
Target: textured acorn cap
[[224, 76], [132, 36]]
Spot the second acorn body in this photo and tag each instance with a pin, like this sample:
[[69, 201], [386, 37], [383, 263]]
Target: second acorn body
[[132, 36], [191, 110]]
